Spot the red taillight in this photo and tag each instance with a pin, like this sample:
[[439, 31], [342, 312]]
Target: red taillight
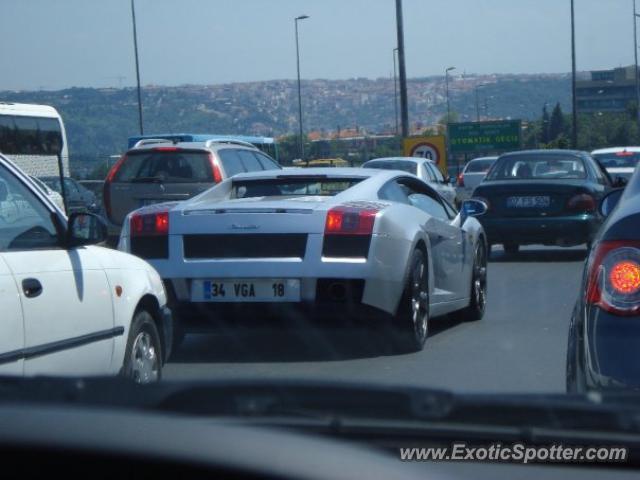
[[215, 168], [345, 220], [149, 224], [165, 149], [582, 203], [106, 189], [613, 281], [461, 179]]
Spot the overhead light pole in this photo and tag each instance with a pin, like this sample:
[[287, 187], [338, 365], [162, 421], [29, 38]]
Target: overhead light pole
[[446, 80], [301, 147], [404, 103], [395, 91], [635, 55], [135, 48], [477, 101], [574, 133]]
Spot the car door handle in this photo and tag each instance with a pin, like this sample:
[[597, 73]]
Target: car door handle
[[31, 287]]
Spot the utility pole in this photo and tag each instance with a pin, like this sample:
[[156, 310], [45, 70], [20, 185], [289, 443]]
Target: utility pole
[[635, 54], [395, 91], [135, 47], [574, 133], [301, 17], [404, 105]]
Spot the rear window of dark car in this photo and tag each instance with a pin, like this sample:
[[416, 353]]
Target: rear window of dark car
[[479, 166], [403, 165], [166, 166], [287, 187], [538, 167]]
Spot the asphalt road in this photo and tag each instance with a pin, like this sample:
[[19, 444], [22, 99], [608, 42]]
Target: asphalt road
[[519, 346]]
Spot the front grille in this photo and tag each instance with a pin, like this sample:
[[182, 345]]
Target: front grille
[[151, 247], [266, 245]]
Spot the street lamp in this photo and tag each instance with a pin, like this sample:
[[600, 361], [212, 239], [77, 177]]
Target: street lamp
[[301, 17], [135, 48], [477, 102], [395, 89], [446, 77], [574, 135], [635, 53]]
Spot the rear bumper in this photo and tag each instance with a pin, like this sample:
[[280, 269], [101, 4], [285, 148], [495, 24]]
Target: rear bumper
[[569, 230], [611, 350]]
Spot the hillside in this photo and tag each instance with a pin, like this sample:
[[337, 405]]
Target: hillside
[[99, 121]]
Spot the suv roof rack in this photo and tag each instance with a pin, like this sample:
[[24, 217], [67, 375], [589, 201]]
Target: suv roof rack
[[151, 141], [230, 141]]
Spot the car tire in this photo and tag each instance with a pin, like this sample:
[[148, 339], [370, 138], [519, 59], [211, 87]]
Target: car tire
[[143, 356], [575, 381], [478, 293], [511, 248], [411, 321]]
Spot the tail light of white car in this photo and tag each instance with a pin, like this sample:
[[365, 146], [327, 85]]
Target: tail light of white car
[[582, 202], [613, 282], [348, 231], [149, 234], [215, 169], [461, 179]]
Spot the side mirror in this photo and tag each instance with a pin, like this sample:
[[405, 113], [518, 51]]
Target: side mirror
[[85, 229], [620, 182], [4, 191], [609, 201], [473, 208]]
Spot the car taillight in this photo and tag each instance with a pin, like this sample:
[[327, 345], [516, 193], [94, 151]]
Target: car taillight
[[106, 192], [215, 169], [461, 179], [582, 203], [346, 220], [613, 281], [150, 224]]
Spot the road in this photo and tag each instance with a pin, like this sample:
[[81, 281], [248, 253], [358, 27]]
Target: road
[[519, 346]]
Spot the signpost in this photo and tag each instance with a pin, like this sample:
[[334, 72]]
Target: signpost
[[483, 137], [432, 147]]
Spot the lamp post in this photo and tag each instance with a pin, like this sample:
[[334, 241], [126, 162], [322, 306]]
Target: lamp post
[[135, 48], [477, 102], [395, 90], [404, 103], [574, 133], [635, 56], [301, 148], [446, 79]]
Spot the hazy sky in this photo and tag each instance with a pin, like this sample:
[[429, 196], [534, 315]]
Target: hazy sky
[[54, 44]]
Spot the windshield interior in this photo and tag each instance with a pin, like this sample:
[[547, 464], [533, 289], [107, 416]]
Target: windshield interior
[[292, 187], [618, 160], [404, 165], [543, 167]]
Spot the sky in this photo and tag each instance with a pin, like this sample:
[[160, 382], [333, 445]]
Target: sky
[[47, 44]]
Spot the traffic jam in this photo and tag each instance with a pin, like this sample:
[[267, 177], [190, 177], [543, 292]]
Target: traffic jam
[[199, 231]]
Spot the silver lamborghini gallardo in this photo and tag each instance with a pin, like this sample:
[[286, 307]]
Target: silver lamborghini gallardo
[[380, 246]]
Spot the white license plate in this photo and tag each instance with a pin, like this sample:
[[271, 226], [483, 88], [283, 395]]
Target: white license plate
[[540, 201], [247, 290]]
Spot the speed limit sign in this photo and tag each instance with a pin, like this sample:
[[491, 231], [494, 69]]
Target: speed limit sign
[[426, 150]]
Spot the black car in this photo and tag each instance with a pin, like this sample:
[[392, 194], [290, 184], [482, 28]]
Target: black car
[[546, 197], [79, 198], [604, 334]]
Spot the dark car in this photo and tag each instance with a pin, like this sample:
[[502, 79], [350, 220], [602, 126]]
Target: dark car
[[546, 197], [604, 333], [79, 198]]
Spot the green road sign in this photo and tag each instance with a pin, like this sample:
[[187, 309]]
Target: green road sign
[[470, 137]]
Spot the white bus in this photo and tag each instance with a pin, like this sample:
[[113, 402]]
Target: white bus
[[31, 136]]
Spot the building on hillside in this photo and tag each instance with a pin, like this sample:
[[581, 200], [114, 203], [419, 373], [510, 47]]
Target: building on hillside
[[606, 91]]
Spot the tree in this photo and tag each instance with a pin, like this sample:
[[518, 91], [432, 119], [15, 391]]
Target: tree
[[545, 125], [556, 124]]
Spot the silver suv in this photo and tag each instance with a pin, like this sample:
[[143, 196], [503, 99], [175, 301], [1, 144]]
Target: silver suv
[[157, 170]]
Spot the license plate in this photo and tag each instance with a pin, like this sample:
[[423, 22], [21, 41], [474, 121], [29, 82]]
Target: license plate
[[247, 290], [540, 201]]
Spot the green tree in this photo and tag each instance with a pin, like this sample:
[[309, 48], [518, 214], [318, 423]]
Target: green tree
[[556, 124], [545, 125]]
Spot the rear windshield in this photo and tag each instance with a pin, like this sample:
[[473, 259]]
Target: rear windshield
[[479, 166], [538, 167], [618, 159], [288, 187], [166, 167], [404, 165]]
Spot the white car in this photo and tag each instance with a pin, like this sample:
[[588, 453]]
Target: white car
[[472, 174], [70, 308], [374, 245], [423, 168], [618, 161]]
